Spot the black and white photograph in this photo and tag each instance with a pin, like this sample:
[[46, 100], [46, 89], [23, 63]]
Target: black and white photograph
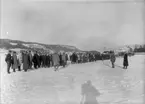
[[72, 51]]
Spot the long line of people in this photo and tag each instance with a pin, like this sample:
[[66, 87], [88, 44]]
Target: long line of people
[[25, 60], [84, 57]]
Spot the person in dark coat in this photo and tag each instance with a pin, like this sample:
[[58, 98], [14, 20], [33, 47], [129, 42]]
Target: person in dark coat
[[40, 59], [125, 61], [25, 61], [45, 60], [35, 60], [48, 60], [60, 57], [8, 60], [64, 60], [74, 58], [14, 62], [66, 57], [30, 57]]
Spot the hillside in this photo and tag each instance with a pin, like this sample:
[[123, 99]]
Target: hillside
[[16, 44]]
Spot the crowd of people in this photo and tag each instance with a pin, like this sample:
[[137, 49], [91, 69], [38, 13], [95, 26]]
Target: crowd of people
[[25, 60]]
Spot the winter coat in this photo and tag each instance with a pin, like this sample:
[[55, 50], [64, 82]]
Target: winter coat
[[36, 59], [19, 59], [30, 57], [25, 61], [125, 61], [112, 58], [64, 58], [14, 62], [55, 59], [8, 58]]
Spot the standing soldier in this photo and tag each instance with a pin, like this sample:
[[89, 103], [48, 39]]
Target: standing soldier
[[14, 62], [40, 59], [125, 61], [35, 60], [51, 61], [8, 60], [30, 57], [64, 60], [43, 60], [25, 61], [112, 58], [60, 57], [56, 60], [78, 55], [48, 60]]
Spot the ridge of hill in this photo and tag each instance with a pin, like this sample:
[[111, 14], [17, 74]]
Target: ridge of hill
[[17, 44]]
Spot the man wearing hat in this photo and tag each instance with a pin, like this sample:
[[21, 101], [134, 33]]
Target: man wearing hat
[[8, 60]]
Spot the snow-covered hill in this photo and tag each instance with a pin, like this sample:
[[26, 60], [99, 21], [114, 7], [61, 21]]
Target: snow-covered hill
[[12, 44]]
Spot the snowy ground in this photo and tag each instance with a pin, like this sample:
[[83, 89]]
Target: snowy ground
[[45, 86]]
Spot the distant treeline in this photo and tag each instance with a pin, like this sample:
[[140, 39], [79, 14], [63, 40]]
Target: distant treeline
[[140, 49]]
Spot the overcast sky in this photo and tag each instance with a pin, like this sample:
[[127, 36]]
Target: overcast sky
[[86, 25]]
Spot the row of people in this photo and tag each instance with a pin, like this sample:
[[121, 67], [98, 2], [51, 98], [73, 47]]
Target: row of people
[[26, 60], [90, 57], [84, 57]]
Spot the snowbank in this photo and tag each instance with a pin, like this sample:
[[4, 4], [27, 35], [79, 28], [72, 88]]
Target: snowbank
[[34, 46], [13, 43]]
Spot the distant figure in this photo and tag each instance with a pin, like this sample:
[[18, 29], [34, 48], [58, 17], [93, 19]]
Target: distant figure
[[56, 60], [43, 60], [8, 60], [112, 58], [30, 59], [89, 93], [35, 60], [64, 59], [25, 61], [14, 61], [38, 59], [19, 61], [74, 58], [125, 61], [48, 60], [51, 61], [60, 57]]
